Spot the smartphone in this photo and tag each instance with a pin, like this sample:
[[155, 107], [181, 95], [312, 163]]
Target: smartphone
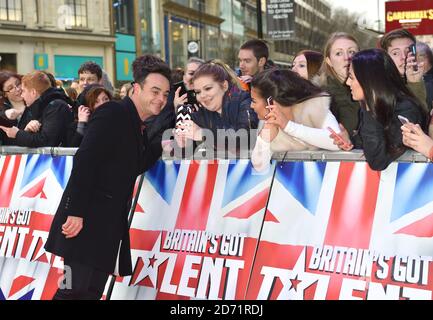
[[403, 120], [190, 94], [336, 135], [412, 48], [270, 101]]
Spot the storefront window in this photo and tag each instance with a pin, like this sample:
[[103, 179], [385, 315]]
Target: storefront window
[[8, 61], [150, 29], [212, 50], [178, 44], [181, 32], [232, 30]]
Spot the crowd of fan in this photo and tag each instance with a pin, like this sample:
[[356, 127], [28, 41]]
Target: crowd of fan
[[378, 100]]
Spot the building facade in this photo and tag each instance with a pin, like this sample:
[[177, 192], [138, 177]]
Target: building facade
[[178, 29], [312, 25], [56, 36], [219, 27]]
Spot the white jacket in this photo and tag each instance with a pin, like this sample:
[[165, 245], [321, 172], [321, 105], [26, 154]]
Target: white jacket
[[307, 131]]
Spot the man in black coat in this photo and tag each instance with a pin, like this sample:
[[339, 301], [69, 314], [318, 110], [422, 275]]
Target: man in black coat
[[50, 111], [90, 228]]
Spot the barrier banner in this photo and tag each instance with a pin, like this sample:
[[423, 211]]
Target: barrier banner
[[343, 231], [31, 187], [195, 231]]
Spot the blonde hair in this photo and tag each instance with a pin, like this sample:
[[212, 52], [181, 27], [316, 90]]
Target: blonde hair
[[326, 70]]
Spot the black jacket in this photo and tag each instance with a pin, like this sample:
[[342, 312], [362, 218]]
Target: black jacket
[[100, 189], [372, 137], [53, 112], [236, 114], [20, 124]]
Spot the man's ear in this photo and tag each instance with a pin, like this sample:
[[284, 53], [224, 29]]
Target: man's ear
[[262, 62]]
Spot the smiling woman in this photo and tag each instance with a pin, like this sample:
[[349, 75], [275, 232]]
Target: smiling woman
[[223, 105]]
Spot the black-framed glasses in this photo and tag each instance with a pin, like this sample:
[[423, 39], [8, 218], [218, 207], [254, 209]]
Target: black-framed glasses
[[14, 88]]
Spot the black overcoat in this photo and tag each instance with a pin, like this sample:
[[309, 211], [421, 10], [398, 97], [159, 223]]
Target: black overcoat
[[111, 156]]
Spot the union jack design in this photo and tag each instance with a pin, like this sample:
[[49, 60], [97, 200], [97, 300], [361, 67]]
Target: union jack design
[[345, 205], [218, 197], [32, 186]]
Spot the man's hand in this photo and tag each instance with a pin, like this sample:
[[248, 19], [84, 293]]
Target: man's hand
[[72, 227], [411, 64], [33, 126], [10, 132]]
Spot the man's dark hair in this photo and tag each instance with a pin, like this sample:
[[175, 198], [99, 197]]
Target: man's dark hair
[[385, 41], [147, 64], [91, 67], [259, 47]]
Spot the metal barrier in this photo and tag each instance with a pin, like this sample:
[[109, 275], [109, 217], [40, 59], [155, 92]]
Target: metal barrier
[[309, 205], [354, 155]]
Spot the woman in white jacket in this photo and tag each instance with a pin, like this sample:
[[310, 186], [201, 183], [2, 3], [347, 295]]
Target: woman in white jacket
[[296, 115]]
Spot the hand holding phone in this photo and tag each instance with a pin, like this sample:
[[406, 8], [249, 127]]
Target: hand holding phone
[[344, 144], [412, 48], [403, 120], [270, 101]]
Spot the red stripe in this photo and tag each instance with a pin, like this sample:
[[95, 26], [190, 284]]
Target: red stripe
[[8, 177], [197, 196], [250, 207], [352, 213]]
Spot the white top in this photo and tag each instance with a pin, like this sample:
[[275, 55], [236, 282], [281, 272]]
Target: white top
[[308, 131]]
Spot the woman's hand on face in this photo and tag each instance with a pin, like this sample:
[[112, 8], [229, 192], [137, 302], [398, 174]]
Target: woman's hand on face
[[83, 114], [179, 100], [277, 117], [415, 138]]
